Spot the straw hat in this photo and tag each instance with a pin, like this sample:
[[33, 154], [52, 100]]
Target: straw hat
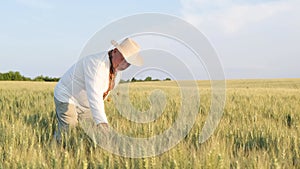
[[130, 51]]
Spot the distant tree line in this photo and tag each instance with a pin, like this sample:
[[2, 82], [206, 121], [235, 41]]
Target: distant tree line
[[145, 80], [16, 76]]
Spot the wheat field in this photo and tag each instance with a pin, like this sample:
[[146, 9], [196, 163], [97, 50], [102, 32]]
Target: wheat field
[[259, 128]]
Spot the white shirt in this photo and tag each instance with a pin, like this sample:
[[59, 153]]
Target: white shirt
[[84, 84]]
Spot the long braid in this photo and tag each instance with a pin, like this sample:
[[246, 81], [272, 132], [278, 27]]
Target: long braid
[[112, 75]]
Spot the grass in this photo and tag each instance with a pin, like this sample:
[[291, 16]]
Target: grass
[[259, 128]]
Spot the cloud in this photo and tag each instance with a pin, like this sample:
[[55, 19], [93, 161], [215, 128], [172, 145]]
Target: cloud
[[42, 4], [230, 16], [254, 39]]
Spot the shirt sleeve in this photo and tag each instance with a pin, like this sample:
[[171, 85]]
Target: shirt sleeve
[[94, 83]]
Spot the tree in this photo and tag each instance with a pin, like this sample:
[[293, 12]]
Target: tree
[[11, 76], [17, 76], [148, 78], [39, 78], [133, 80]]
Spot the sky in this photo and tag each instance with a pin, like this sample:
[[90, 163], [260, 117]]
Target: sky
[[253, 39]]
